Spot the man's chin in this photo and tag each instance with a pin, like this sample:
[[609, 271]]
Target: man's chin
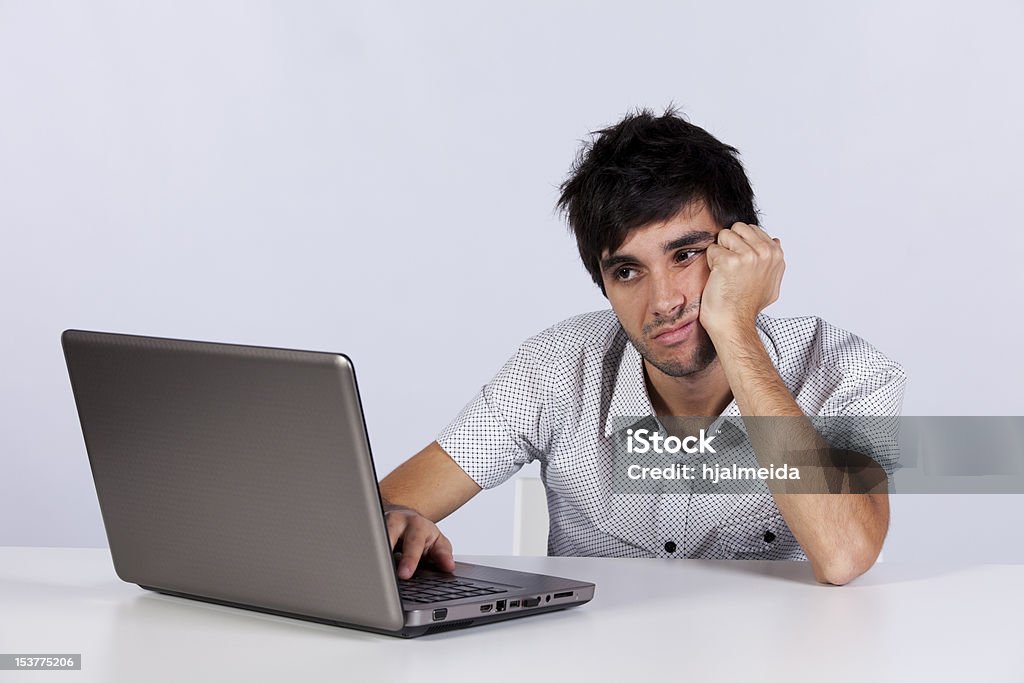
[[684, 364]]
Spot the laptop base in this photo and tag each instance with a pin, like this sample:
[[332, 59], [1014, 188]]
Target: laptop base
[[406, 632]]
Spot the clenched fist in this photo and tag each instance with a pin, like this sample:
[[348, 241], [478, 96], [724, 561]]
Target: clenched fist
[[746, 274]]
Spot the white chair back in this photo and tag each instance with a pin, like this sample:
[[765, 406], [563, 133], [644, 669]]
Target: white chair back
[[530, 520]]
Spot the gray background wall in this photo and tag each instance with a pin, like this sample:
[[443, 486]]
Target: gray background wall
[[378, 178]]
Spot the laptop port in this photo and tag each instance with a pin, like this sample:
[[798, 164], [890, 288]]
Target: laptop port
[[486, 608], [499, 606], [531, 602], [566, 594], [514, 603], [440, 614]]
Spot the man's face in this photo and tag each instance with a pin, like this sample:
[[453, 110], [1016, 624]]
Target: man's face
[[654, 282]]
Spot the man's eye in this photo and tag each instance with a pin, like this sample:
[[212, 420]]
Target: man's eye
[[624, 274], [687, 255]]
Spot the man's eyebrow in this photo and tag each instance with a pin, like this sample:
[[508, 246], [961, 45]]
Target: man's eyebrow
[[614, 260], [685, 240]]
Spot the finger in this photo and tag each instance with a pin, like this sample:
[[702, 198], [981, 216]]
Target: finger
[[712, 254], [748, 231], [441, 553], [755, 237], [772, 242], [756, 232], [733, 241], [756, 228], [413, 544], [396, 525], [716, 254]]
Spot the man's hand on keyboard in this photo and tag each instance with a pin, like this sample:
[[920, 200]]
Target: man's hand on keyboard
[[420, 538]]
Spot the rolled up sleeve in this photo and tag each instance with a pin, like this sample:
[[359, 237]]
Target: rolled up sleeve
[[506, 425]]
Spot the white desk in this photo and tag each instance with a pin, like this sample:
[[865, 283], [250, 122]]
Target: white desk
[[650, 620]]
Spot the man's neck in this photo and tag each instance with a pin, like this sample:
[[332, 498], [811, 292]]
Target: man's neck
[[705, 393]]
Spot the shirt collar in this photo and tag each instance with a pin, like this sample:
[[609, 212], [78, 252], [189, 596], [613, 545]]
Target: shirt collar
[[630, 401]]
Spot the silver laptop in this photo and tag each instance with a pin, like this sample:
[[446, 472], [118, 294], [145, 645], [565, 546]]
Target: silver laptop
[[242, 476]]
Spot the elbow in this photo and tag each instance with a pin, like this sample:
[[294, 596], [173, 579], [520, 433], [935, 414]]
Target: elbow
[[845, 566], [839, 573], [851, 550]]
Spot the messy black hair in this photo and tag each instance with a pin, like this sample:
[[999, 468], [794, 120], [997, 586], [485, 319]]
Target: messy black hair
[[648, 169]]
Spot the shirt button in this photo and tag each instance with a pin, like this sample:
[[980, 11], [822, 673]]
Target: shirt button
[[769, 537], [670, 546]]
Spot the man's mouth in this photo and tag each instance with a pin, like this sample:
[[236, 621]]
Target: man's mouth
[[675, 334]]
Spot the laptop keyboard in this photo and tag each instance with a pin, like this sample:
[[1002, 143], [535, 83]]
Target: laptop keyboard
[[424, 589]]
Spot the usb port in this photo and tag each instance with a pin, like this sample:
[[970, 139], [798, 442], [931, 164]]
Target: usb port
[[486, 608], [514, 603], [499, 606], [567, 594], [440, 614], [531, 602]]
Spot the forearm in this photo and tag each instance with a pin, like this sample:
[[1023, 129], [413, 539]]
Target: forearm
[[429, 483], [841, 533]]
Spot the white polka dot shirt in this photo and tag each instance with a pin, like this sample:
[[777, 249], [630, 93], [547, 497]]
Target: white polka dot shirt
[[561, 400]]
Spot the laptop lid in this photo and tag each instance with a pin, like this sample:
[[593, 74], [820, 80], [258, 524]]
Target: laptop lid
[[235, 473]]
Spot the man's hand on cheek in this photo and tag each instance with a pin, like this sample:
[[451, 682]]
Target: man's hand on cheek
[[746, 274]]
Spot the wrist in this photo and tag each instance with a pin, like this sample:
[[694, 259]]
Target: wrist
[[732, 332], [394, 507]]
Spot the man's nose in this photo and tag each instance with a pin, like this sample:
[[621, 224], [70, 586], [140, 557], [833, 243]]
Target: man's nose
[[668, 296]]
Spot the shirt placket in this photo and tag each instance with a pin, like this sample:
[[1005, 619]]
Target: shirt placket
[[671, 512]]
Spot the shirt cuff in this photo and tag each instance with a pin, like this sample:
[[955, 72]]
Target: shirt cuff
[[481, 445]]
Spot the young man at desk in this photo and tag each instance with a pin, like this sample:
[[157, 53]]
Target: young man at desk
[[666, 224]]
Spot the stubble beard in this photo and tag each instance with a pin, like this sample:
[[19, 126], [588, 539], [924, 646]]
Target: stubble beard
[[703, 355]]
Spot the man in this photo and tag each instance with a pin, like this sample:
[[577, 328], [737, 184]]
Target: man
[[666, 225]]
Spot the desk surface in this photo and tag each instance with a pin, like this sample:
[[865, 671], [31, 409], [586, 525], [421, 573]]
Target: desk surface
[[695, 620]]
